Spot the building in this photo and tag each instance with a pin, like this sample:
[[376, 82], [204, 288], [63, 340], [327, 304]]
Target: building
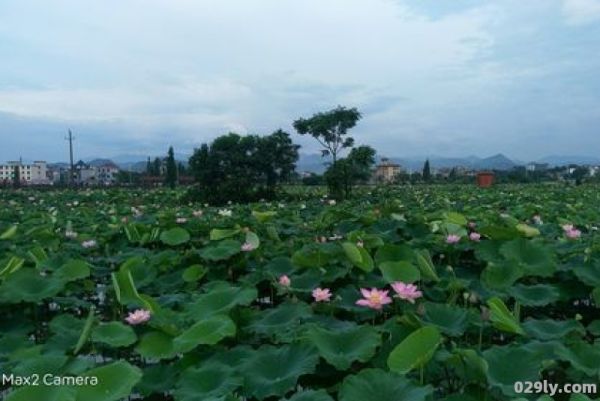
[[30, 173], [537, 167], [386, 171], [107, 173]]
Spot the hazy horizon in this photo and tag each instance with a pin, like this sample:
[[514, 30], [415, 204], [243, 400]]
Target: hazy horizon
[[452, 79]]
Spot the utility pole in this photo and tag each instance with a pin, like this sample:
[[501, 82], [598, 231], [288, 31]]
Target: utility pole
[[72, 170]]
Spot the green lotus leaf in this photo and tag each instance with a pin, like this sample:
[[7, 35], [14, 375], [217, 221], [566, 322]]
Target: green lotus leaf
[[263, 216], [281, 321], [40, 364], [156, 345], [501, 276], [221, 251], [310, 395], [450, 319], [73, 270], [535, 259], [207, 383], [252, 239], [468, 365], [42, 392], [583, 357], [589, 273], [415, 350], [158, 378], [377, 384], [342, 347], [273, 371], [114, 334], [175, 236], [220, 300], [497, 232], [509, 364], [206, 332], [217, 234], [312, 256], [115, 381], [426, 265], [28, 285], [550, 329], [502, 318], [394, 253], [527, 230], [535, 295], [399, 271], [359, 257], [194, 273], [9, 233]]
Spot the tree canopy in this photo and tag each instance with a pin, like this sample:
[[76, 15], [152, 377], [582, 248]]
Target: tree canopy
[[242, 168], [171, 169], [330, 129], [355, 168]]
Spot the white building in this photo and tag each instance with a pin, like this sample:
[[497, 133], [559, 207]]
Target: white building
[[29, 173], [107, 173]]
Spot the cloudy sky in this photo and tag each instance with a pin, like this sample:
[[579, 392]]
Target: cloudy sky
[[431, 77]]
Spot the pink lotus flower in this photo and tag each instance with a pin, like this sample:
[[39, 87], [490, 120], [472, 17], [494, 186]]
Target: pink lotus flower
[[321, 294], [452, 239], [537, 219], [408, 292], [360, 244], [285, 281], [374, 299], [247, 247], [181, 220], [197, 213], [472, 224], [570, 231], [475, 237], [138, 317]]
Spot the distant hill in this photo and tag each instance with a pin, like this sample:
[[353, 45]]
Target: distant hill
[[558, 160], [317, 164]]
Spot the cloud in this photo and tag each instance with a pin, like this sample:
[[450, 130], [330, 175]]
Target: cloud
[[137, 76], [581, 12]]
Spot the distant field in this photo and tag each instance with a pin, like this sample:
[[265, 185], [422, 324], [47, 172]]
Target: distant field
[[506, 289]]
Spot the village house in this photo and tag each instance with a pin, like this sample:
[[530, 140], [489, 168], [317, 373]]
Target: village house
[[29, 173], [386, 171]]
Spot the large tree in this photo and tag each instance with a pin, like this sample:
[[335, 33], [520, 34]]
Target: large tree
[[426, 171], [349, 171], [330, 129], [242, 168], [171, 169], [17, 176]]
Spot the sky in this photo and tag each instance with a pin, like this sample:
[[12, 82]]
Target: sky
[[430, 77]]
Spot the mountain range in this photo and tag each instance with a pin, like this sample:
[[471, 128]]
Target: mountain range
[[317, 164]]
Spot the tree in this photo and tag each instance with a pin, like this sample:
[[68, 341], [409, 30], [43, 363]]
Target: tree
[[347, 172], [17, 176], [171, 171], [149, 167], [426, 171], [242, 168], [156, 164], [330, 129]]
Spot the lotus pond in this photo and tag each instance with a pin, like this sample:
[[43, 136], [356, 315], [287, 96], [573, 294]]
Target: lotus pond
[[402, 294]]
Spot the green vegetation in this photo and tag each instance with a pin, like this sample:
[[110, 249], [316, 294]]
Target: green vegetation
[[236, 168], [402, 293]]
